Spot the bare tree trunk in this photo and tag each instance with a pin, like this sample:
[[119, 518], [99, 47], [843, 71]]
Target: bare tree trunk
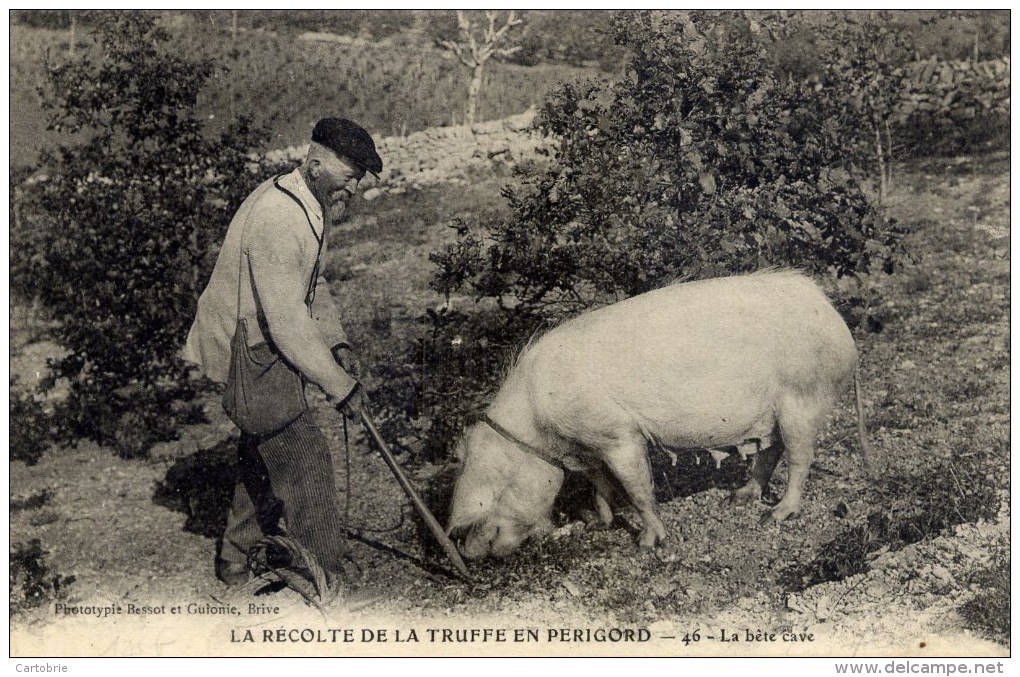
[[889, 155], [474, 50], [196, 289], [882, 188], [474, 89], [74, 22]]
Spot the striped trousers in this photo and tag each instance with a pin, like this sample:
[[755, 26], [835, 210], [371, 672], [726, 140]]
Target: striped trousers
[[287, 474]]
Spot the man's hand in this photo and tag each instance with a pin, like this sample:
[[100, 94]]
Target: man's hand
[[348, 361], [355, 403]]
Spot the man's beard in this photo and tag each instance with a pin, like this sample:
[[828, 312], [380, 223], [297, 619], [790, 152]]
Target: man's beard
[[337, 199], [337, 209]]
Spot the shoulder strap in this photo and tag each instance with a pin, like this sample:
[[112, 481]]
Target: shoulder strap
[[310, 295], [289, 193]]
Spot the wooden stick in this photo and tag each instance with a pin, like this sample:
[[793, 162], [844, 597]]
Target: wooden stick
[[448, 547]]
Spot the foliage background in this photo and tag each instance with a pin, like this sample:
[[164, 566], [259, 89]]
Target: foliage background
[[397, 81]]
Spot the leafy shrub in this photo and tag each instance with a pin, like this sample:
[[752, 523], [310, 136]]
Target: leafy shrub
[[26, 260], [863, 81], [699, 163], [30, 433], [32, 583], [125, 222], [464, 356]]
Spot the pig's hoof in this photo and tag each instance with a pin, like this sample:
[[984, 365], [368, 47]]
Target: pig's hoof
[[652, 535], [593, 521], [775, 516]]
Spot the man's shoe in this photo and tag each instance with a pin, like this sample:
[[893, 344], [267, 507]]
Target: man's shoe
[[232, 574]]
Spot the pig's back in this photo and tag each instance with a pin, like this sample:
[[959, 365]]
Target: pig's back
[[692, 350]]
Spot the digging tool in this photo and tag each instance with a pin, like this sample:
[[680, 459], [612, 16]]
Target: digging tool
[[448, 547]]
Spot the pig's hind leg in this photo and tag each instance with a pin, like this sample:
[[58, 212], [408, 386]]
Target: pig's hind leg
[[627, 459], [604, 495], [799, 420], [763, 465]]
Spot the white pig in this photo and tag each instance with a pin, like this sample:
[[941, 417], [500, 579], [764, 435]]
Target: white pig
[[707, 364]]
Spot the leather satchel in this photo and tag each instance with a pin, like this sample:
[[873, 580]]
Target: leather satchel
[[264, 393]]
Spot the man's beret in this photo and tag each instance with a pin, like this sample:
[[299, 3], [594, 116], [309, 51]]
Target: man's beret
[[349, 139]]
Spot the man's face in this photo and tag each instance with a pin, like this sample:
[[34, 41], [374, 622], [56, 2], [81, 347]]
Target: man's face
[[335, 182]]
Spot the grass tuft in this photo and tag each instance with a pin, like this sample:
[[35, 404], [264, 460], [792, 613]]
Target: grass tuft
[[32, 583], [989, 611]]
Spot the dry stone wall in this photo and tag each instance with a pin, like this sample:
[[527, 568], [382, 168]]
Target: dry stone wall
[[960, 89], [445, 155]]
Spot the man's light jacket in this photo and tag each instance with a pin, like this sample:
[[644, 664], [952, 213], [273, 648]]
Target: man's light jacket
[[270, 252]]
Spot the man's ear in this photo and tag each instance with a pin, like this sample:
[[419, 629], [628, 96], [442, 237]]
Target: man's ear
[[314, 165]]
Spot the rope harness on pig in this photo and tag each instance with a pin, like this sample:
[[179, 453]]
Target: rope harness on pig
[[566, 463]]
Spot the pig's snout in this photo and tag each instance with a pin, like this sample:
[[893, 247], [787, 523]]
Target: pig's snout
[[495, 539], [476, 541]]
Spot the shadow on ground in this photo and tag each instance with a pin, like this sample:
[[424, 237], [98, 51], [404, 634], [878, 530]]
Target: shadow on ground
[[201, 486]]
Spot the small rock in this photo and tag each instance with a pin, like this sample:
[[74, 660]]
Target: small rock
[[571, 587], [942, 574], [663, 589], [875, 591]]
